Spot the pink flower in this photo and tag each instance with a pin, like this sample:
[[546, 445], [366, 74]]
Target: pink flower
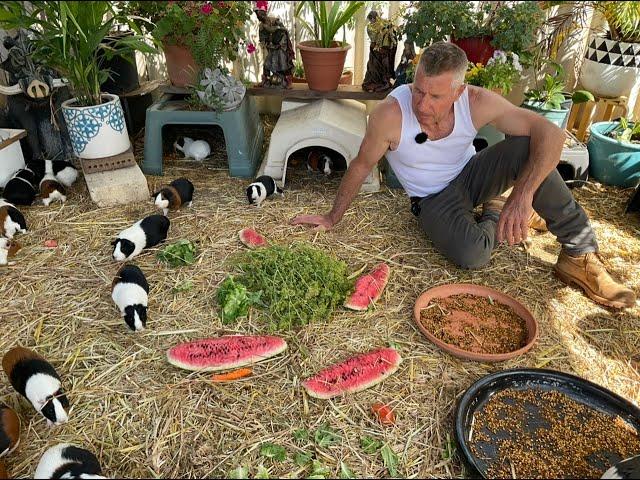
[[262, 5], [206, 9], [251, 48]]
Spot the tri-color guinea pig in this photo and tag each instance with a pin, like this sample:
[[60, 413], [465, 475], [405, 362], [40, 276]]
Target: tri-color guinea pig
[[173, 196], [130, 292], [35, 379], [9, 430], [12, 220], [145, 233], [52, 190]]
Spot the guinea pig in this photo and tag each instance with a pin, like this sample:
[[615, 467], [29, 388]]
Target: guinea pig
[[196, 149], [319, 162], [11, 221], [66, 460], [35, 379], [173, 196], [3, 470], [51, 190], [263, 187], [20, 189], [9, 430], [145, 233], [63, 171], [8, 249], [130, 291]]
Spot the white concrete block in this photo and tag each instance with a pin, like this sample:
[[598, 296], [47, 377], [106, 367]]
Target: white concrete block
[[118, 187]]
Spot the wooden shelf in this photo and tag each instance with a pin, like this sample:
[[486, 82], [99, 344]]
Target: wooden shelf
[[300, 91]]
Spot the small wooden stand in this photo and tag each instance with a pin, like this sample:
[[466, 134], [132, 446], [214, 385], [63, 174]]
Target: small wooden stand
[[582, 115]]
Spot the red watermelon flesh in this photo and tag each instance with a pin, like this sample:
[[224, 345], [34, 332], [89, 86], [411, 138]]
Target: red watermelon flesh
[[252, 239], [368, 288], [231, 351], [353, 375]]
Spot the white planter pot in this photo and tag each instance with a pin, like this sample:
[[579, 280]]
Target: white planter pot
[[610, 68], [97, 131]]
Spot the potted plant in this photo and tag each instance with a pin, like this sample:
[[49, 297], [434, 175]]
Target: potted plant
[[614, 152], [323, 57], [550, 99], [68, 37], [499, 74], [494, 25], [298, 72], [612, 62]]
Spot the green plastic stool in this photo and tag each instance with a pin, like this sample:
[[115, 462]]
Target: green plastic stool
[[242, 130]]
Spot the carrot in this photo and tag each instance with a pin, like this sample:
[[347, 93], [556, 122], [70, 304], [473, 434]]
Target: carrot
[[384, 413], [233, 375]]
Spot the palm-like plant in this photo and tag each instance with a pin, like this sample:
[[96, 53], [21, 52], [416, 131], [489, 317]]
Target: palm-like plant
[[68, 38], [327, 23], [623, 19]]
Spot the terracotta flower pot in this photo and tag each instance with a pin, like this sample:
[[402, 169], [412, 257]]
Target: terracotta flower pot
[[478, 49], [323, 66], [181, 66], [444, 291]]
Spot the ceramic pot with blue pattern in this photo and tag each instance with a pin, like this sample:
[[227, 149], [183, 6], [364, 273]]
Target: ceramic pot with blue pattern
[[97, 131]]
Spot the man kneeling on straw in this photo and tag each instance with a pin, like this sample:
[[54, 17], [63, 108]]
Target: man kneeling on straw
[[426, 131]]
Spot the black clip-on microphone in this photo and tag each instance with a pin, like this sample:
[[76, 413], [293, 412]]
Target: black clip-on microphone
[[421, 137]]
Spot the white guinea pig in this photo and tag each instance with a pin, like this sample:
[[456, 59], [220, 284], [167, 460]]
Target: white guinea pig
[[196, 149]]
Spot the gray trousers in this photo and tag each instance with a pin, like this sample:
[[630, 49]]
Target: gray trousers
[[448, 220]]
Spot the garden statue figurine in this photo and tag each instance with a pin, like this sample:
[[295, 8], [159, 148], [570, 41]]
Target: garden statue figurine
[[277, 49], [382, 53], [404, 72]]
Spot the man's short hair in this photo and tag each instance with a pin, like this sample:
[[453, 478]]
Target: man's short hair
[[442, 57]]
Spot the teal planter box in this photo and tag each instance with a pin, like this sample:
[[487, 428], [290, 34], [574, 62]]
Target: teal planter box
[[612, 162], [559, 117]]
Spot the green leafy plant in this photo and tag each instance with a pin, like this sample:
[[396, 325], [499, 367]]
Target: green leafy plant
[[623, 19], [550, 94], [299, 284], [177, 254], [238, 473], [626, 131], [345, 471], [183, 287], [512, 26], [390, 460], [318, 470], [326, 436], [298, 69], [275, 452], [326, 22], [500, 72], [68, 37], [370, 445], [302, 458], [235, 300]]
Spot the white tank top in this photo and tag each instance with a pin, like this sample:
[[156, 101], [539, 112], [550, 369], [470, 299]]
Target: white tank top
[[427, 168]]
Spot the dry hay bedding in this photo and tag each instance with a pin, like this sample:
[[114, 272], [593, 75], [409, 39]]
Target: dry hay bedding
[[145, 418]]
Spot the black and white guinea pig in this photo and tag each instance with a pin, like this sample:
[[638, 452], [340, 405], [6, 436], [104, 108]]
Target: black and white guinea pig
[[66, 460], [35, 379], [9, 430], [8, 249], [11, 220], [263, 187], [21, 190], [64, 171], [130, 292], [173, 196], [319, 162], [145, 233], [51, 190]]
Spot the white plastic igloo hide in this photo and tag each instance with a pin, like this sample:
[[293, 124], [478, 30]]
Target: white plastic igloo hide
[[336, 124]]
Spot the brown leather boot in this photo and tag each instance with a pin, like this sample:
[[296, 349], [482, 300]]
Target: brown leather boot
[[497, 204], [589, 273]]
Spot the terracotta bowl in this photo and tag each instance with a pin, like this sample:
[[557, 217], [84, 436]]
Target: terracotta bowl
[[444, 291]]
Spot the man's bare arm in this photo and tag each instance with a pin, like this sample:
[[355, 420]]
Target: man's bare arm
[[374, 145]]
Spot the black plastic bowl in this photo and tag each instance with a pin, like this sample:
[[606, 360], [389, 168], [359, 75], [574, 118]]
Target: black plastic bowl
[[578, 389]]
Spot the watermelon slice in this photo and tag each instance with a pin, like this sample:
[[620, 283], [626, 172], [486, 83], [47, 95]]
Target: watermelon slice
[[231, 351], [368, 288], [252, 239], [353, 375]]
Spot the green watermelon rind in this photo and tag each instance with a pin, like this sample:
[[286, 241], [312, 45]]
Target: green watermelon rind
[[280, 345], [243, 236], [354, 302], [325, 395]]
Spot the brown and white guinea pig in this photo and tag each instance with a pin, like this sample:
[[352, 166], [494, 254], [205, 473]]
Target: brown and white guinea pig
[[3, 470], [63, 171], [8, 248], [51, 190], [11, 220], [130, 292], [146, 233], [9, 430], [318, 161], [66, 460], [35, 379], [173, 196], [263, 187], [21, 190]]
